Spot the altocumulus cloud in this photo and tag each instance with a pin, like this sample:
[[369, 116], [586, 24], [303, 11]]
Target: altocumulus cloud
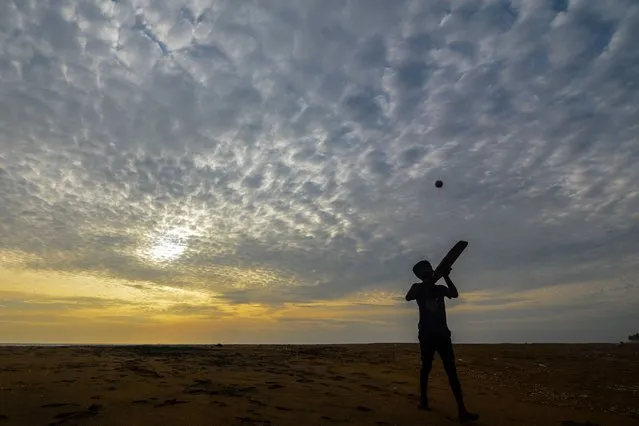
[[277, 151]]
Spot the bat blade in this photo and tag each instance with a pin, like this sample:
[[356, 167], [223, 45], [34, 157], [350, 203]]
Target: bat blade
[[450, 258]]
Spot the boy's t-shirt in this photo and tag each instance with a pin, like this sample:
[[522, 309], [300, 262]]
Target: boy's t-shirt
[[432, 311]]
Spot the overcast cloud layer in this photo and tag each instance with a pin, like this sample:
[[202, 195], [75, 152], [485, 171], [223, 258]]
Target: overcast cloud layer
[[278, 151]]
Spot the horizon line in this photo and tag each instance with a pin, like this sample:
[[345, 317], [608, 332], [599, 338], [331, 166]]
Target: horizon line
[[10, 344]]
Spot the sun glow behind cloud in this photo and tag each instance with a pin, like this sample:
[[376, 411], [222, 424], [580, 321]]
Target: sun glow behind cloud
[[166, 246]]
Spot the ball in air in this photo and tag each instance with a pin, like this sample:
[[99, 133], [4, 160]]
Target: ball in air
[[439, 184]]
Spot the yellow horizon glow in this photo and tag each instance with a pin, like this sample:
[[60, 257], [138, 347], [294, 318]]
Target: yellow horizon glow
[[44, 304]]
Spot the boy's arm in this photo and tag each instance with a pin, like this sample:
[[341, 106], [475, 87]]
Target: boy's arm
[[412, 293], [452, 290]]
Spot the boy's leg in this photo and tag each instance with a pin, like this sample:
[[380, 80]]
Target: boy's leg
[[447, 355], [427, 350]]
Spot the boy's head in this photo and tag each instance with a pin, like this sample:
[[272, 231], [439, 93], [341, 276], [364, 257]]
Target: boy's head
[[423, 270]]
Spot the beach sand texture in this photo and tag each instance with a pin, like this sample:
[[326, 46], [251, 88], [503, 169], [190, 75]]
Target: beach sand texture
[[372, 384]]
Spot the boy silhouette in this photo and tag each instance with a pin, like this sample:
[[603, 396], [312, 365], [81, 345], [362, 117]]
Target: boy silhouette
[[434, 335]]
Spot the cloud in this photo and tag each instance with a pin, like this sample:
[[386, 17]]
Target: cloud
[[16, 302], [276, 152]]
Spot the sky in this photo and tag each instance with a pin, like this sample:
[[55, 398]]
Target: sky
[[262, 171]]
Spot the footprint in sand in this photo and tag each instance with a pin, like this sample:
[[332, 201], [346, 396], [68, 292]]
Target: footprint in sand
[[62, 418], [257, 402], [371, 387], [253, 421], [332, 420], [57, 404], [197, 391], [275, 386], [172, 401]]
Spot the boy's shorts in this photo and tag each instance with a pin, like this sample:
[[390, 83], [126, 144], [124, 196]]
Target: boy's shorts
[[441, 343]]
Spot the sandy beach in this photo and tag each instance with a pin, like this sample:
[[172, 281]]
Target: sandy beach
[[372, 384]]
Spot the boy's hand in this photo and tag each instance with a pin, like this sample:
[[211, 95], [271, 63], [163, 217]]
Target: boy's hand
[[452, 290], [447, 271]]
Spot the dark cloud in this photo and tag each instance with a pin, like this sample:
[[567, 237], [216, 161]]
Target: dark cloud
[[158, 141]]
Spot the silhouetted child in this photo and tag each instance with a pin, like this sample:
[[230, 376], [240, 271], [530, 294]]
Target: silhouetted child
[[434, 335]]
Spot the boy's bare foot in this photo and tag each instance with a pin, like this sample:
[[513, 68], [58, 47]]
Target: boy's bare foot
[[467, 417]]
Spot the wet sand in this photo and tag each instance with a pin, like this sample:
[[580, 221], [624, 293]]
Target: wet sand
[[315, 385]]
